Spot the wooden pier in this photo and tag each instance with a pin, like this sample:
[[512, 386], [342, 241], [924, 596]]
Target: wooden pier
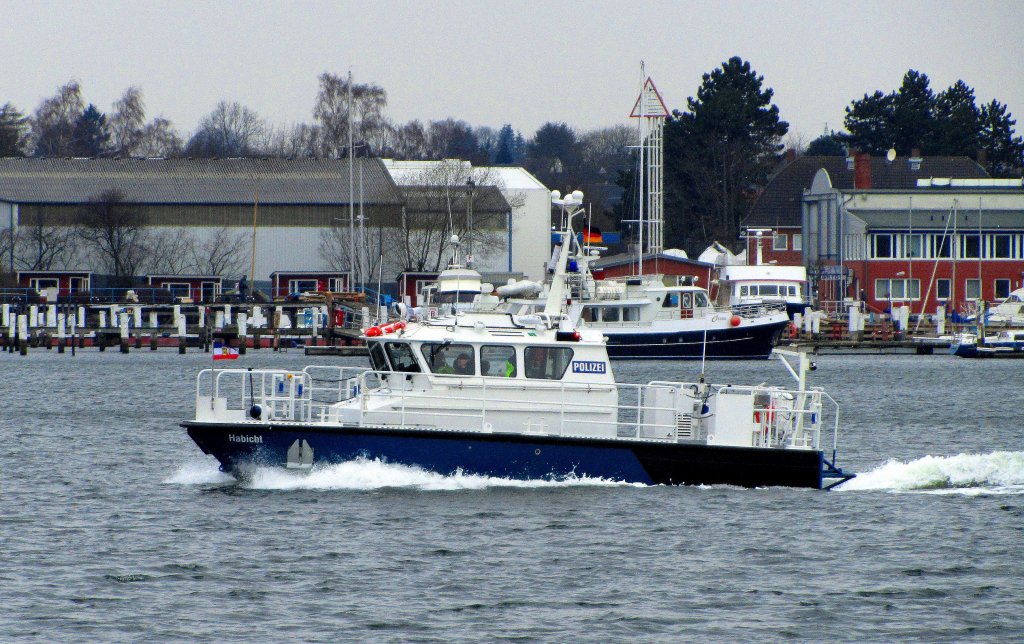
[[127, 325]]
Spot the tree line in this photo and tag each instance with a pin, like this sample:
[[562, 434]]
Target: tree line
[[913, 118], [719, 151]]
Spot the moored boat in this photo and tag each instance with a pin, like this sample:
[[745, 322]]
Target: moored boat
[[521, 396], [1008, 343]]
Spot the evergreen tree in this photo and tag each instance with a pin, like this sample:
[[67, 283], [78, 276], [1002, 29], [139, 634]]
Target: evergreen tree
[[1004, 152], [869, 122], [552, 156], [957, 123], [13, 131], [827, 145], [913, 115], [506, 154], [91, 136], [717, 154], [949, 124]]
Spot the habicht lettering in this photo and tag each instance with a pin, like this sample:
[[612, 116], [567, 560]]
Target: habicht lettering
[[237, 438]]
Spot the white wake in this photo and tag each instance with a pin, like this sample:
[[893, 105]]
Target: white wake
[[992, 473], [363, 474]]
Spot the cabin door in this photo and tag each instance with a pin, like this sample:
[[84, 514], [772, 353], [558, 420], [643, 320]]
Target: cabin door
[[686, 305]]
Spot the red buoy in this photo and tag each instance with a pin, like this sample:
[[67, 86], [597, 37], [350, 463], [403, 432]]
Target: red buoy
[[734, 320]]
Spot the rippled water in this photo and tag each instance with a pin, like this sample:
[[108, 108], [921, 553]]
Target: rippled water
[[115, 527]]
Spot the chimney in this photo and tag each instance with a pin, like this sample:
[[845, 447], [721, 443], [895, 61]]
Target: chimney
[[790, 155], [915, 159], [982, 157], [862, 171]]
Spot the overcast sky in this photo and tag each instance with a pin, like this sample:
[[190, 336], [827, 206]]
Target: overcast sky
[[513, 61]]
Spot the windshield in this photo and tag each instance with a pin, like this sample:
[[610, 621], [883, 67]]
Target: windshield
[[401, 357]]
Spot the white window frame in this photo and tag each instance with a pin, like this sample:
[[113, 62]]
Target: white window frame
[[949, 288], [906, 285], [995, 288], [967, 288], [293, 285], [780, 241], [798, 241]]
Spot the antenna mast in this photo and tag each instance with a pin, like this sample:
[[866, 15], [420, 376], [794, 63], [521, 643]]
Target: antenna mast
[[651, 111]]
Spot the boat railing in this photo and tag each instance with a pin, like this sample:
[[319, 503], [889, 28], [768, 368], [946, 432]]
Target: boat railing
[[280, 394], [757, 310], [659, 410]]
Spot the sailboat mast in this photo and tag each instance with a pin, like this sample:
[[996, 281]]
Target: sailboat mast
[[641, 168]]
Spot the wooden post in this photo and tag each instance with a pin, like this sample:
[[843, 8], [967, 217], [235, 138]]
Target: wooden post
[[243, 323], [61, 336], [124, 332], [181, 335], [23, 334]]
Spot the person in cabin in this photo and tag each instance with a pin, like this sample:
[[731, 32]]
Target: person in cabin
[[536, 362], [464, 364], [243, 289]]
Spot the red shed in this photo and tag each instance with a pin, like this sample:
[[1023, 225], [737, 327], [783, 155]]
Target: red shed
[[198, 288], [65, 282], [659, 263], [285, 283]]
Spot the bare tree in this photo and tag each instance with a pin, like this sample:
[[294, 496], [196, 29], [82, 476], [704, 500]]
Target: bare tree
[[408, 142], [113, 230], [331, 114], [450, 197], [230, 130], [6, 251], [53, 122], [172, 252], [296, 142], [603, 154], [159, 139], [40, 248], [127, 122], [224, 253]]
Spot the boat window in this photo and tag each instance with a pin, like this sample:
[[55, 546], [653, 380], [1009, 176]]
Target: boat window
[[769, 289], [401, 357], [377, 357], [498, 361], [700, 299], [687, 300], [449, 358], [589, 314], [610, 314], [460, 297], [671, 300], [548, 363], [631, 314], [744, 291]]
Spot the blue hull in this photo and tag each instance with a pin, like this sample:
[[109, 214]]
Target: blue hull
[[239, 446], [734, 343], [989, 350]]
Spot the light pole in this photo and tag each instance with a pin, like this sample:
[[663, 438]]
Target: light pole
[[470, 185]]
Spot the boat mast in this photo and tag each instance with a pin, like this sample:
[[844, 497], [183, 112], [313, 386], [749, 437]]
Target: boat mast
[[570, 206]]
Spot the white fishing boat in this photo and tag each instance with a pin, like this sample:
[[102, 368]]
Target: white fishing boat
[[653, 316], [521, 396]]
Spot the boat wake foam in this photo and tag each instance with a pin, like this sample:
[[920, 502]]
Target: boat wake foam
[[992, 473], [363, 474], [199, 472]]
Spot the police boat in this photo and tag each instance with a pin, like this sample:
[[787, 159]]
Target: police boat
[[497, 394]]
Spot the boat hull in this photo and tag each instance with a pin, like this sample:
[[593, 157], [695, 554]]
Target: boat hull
[[239, 446], [754, 342]]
